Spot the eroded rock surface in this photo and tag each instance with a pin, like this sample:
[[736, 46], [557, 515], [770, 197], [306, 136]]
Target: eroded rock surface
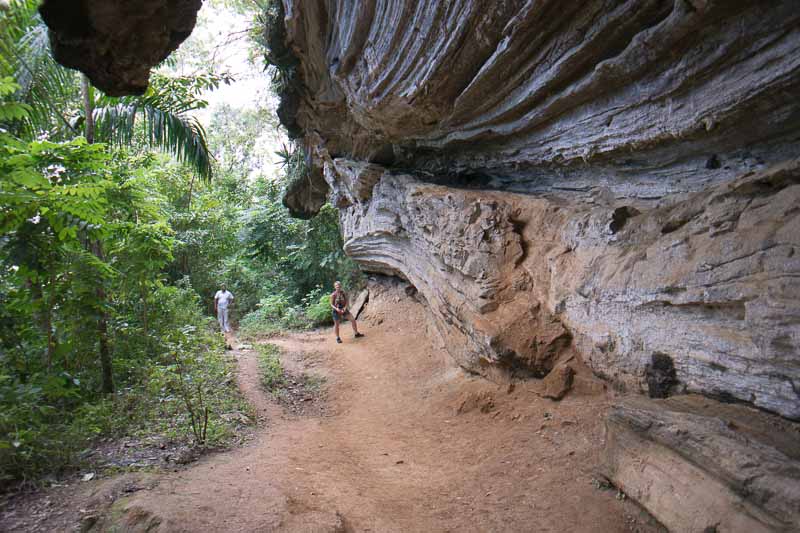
[[698, 465], [116, 42], [709, 283]]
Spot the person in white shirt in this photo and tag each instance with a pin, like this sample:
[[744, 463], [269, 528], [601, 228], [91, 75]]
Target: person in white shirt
[[222, 298]]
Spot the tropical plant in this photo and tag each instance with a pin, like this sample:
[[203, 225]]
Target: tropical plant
[[50, 90], [11, 111], [164, 113], [53, 94], [318, 309]]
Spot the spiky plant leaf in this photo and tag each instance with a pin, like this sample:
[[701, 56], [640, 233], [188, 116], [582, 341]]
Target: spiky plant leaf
[[25, 55]]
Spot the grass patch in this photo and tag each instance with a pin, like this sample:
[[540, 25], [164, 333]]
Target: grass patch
[[313, 383], [299, 393], [270, 367]]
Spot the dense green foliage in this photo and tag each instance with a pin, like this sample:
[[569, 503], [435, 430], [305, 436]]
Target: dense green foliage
[[111, 252], [85, 239]]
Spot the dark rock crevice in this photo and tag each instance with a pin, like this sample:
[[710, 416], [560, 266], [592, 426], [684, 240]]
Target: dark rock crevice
[[660, 373]]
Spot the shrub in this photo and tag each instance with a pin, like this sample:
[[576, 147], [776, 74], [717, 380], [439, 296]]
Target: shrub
[[40, 427], [171, 379], [267, 318], [191, 389], [275, 313], [319, 313], [269, 364]]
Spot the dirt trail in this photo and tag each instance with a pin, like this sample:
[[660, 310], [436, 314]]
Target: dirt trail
[[405, 442], [393, 453]]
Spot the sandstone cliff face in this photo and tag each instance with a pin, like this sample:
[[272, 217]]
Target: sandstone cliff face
[[615, 179]]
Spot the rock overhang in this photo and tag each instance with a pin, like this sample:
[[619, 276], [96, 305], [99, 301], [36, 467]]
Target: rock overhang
[[646, 98], [117, 42]]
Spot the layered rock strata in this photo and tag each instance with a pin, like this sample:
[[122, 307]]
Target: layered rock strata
[[640, 97], [701, 466]]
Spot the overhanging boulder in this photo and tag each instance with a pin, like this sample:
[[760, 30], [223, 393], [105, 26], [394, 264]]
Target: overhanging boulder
[[116, 42]]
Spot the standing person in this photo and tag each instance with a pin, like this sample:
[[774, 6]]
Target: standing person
[[222, 298], [339, 305]]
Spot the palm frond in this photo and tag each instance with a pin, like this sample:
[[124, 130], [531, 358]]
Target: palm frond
[[180, 135], [164, 110], [115, 123], [25, 55]]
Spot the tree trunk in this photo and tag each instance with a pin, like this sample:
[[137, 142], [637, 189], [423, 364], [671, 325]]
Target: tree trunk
[[88, 108], [191, 187], [45, 319], [105, 352], [51, 343], [102, 330], [51, 340], [97, 249], [143, 294]]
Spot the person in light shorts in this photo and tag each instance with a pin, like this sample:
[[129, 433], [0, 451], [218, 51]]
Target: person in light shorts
[[339, 305]]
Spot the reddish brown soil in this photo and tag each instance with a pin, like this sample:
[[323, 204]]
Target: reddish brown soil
[[405, 442]]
